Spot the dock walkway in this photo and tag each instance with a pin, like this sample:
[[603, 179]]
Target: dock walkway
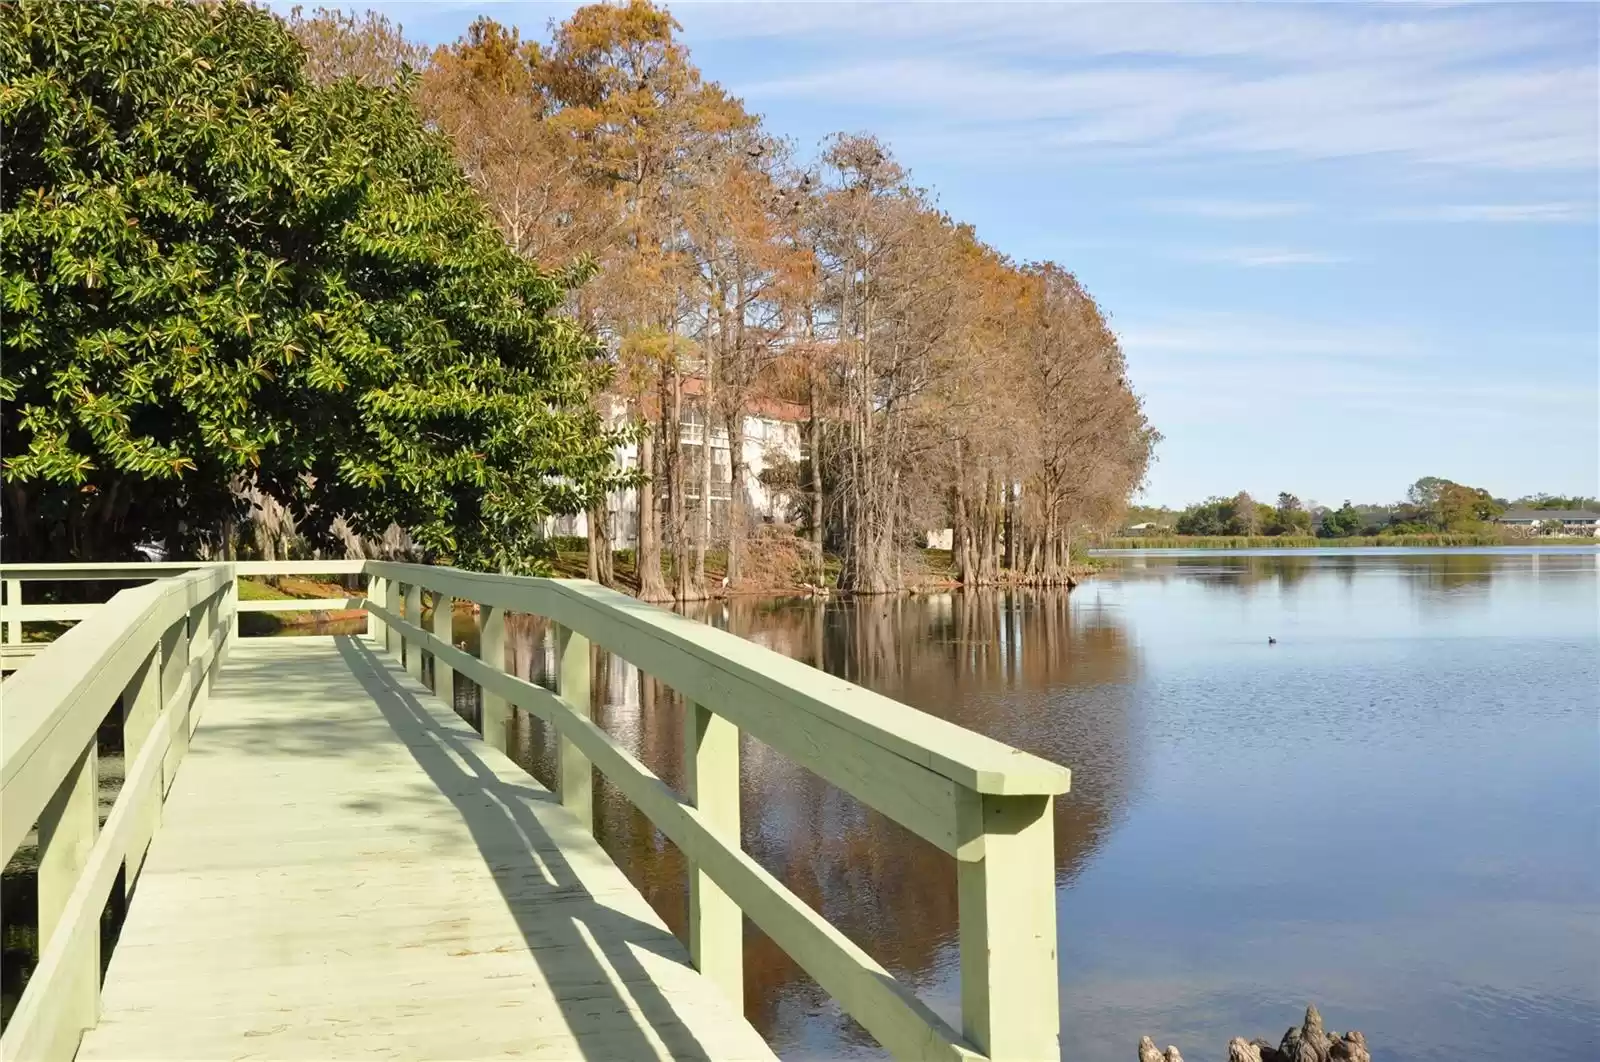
[[325, 862], [345, 869]]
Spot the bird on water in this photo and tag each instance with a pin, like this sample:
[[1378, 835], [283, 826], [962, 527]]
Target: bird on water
[[1271, 640]]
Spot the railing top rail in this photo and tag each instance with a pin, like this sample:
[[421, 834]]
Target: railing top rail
[[42, 707], [970, 760], [113, 571], [131, 570]]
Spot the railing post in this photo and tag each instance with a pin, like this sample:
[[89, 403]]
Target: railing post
[[495, 717], [13, 590], [374, 593], [213, 624], [444, 685], [389, 597], [68, 826], [1006, 886], [409, 647], [141, 707], [178, 726], [574, 773], [711, 781]]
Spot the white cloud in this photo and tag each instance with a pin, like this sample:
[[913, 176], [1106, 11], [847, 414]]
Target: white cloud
[[1500, 213], [1474, 88], [1214, 337], [1200, 368], [1229, 209], [1261, 257]]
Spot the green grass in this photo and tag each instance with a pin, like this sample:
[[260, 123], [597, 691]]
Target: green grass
[[254, 590]]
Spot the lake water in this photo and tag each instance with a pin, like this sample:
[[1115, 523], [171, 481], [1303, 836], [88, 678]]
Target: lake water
[[1391, 812]]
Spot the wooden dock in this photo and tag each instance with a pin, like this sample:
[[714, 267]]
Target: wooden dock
[[324, 861], [346, 870]]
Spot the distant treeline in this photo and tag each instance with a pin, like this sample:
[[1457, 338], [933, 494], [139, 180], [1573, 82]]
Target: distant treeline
[[1311, 541], [1433, 508]]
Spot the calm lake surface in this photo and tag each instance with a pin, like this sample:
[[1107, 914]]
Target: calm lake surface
[[1391, 812]]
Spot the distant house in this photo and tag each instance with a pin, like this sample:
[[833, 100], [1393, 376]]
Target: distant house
[[1538, 521], [772, 434]]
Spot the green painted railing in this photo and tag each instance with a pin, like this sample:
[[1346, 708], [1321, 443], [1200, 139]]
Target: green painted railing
[[986, 804], [154, 649]]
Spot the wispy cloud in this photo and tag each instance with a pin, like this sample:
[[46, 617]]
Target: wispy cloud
[[1214, 337], [1500, 213], [1259, 257], [1469, 88], [1197, 364], [1229, 209]]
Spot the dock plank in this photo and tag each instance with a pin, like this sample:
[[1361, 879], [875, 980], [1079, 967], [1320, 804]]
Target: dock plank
[[345, 870]]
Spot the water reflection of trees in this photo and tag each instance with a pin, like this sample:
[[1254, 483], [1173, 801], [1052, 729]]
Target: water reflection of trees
[[1454, 573], [1024, 667], [1248, 574], [1432, 572]]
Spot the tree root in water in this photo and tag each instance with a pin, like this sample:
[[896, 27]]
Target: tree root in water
[[1307, 1042]]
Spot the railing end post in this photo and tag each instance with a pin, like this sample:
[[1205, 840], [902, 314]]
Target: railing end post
[[1010, 1008]]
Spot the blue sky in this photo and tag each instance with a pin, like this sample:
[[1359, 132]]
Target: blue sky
[[1344, 246]]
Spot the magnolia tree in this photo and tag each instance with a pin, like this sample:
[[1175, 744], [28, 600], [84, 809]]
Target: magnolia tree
[[219, 276]]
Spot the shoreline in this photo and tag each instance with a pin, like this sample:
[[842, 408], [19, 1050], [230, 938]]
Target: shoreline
[[1417, 542]]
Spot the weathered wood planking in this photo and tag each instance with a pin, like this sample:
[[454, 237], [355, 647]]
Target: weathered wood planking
[[344, 869]]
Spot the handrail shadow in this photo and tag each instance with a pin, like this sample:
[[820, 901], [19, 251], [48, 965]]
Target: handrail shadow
[[515, 845]]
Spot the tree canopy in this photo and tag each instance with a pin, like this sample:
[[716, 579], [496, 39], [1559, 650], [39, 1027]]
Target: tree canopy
[[217, 275], [941, 384]]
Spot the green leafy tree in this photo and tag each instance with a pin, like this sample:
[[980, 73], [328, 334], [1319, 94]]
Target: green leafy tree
[[1556, 501], [218, 275], [1289, 518], [1342, 522], [1244, 517], [1209, 517], [1436, 504]]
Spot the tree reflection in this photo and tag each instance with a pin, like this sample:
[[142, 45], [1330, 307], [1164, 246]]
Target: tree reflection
[[1026, 667]]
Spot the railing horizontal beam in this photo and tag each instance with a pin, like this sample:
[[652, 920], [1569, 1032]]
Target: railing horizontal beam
[[305, 604], [44, 1024], [44, 611], [707, 663], [900, 1021]]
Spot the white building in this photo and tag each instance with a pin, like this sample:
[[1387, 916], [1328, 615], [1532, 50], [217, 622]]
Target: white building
[[772, 434], [1539, 521]]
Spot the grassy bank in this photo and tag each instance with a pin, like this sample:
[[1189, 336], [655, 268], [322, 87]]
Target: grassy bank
[[1308, 542], [289, 588]]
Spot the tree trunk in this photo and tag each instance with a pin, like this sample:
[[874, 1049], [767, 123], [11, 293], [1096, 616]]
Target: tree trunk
[[1011, 524], [673, 431], [958, 537], [651, 586], [591, 566], [986, 531], [601, 549], [702, 523], [814, 430], [958, 521], [738, 516]]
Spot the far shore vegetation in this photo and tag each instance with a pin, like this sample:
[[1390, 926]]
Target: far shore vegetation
[[1434, 512], [1441, 541]]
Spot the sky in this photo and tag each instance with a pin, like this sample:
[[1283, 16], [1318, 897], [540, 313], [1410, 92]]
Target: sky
[[1344, 246]]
